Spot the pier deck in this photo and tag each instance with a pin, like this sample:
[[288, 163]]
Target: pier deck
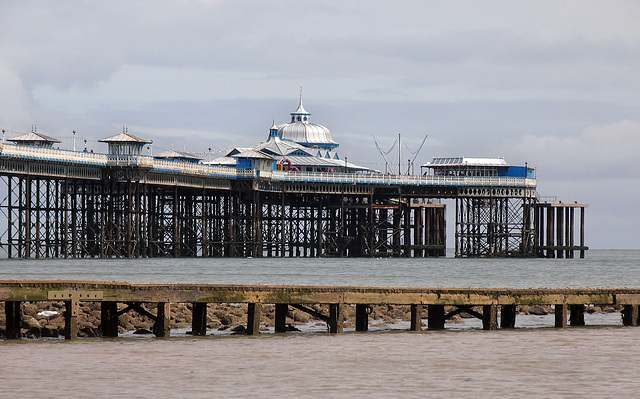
[[567, 302]]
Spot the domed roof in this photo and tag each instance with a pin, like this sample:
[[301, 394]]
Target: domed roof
[[307, 134], [301, 131]]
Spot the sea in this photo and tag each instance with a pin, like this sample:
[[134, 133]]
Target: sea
[[534, 360]]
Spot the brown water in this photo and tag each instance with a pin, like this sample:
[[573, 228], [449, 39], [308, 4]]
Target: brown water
[[532, 361], [539, 362]]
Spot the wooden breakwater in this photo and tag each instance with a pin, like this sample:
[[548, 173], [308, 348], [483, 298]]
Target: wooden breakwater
[[496, 307]]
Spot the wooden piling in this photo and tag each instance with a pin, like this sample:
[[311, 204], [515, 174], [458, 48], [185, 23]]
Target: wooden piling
[[13, 317], [336, 318], [508, 316], [630, 315], [71, 319], [416, 318], [162, 326], [199, 319], [576, 315], [435, 317], [109, 319], [362, 317], [281, 317], [490, 317], [254, 314], [561, 313]]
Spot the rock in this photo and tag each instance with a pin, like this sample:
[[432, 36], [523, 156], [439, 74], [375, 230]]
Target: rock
[[239, 329], [29, 322], [143, 331], [291, 327], [51, 332], [226, 319], [537, 310], [91, 332]]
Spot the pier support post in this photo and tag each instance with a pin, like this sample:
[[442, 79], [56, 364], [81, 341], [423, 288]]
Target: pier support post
[[336, 318], [109, 319], [71, 319], [13, 317], [576, 315], [630, 315], [281, 317], [490, 317], [254, 314], [199, 319], [435, 317], [162, 326], [362, 317], [561, 311], [508, 316], [416, 318]]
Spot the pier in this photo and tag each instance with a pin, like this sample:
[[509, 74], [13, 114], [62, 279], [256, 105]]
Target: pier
[[67, 204], [495, 307], [293, 195]]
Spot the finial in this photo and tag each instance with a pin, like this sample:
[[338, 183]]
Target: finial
[[300, 95]]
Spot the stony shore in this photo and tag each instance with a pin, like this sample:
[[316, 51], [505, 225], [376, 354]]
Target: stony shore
[[224, 317]]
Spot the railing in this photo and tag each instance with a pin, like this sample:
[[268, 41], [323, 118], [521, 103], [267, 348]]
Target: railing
[[143, 161], [52, 154], [360, 178], [140, 161]]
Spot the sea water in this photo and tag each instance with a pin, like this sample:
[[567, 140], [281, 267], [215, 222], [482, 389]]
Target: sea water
[[534, 360]]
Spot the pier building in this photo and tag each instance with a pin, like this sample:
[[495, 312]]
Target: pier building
[[291, 195]]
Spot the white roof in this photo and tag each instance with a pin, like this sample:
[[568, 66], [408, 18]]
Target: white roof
[[252, 154], [223, 161], [177, 154], [125, 138], [35, 136], [306, 133], [466, 161]]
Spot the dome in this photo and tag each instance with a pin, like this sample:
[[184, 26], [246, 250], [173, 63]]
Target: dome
[[307, 134], [301, 131]]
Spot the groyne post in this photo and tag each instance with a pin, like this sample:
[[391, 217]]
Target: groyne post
[[630, 315], [490, 317], [362, 317], [576, 315], [281, 317], [416, 318], [109, 319], [336, 318], [162, 326], [71, 319], [561, 313], [435, 317], [254, 314], [508, 316], [199, 319], [13, 317]]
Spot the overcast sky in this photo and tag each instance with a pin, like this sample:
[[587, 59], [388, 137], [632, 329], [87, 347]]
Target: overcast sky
[[554, 84]]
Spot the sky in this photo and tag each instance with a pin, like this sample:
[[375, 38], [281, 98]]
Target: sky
[[553, 84]]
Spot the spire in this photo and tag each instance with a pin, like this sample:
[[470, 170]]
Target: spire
[[273, 131], [300, 114]]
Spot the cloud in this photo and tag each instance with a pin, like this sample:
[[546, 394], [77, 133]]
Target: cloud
[[597, 152], [15, 102]]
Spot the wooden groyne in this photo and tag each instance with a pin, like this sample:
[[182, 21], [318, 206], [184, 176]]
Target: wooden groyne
[[496, 307]]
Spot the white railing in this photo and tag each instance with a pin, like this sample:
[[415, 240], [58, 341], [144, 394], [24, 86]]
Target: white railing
[[52, 154], [143, 161], [361, 178]]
